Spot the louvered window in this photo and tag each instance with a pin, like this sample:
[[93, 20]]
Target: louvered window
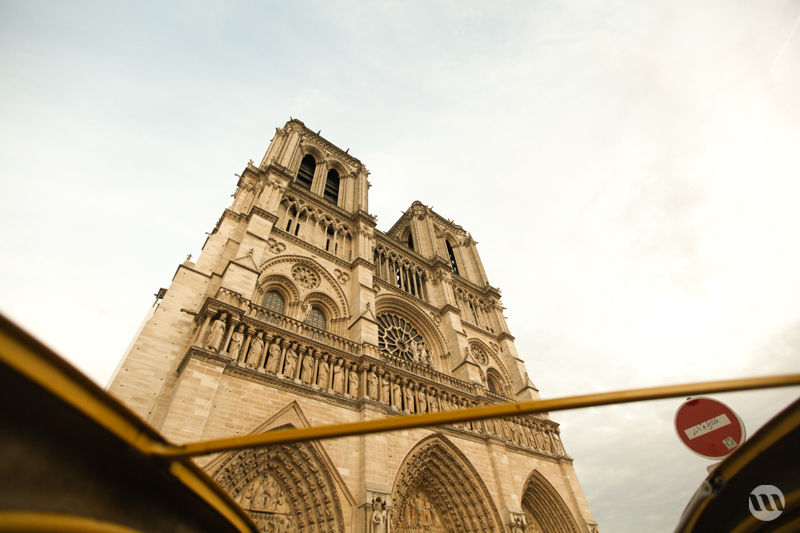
[[452, 256], [332, 187], [305, 176]]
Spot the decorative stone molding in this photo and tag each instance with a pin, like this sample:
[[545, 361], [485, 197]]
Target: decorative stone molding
[[437, 490], [341, 277], [275, 246], [545, 511], [305, 276], [287, 486]]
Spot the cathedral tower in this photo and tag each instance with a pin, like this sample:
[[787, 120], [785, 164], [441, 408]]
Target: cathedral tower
[[299, 312]]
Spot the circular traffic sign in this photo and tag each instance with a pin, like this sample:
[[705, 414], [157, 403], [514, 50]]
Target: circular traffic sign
[[708, 427]]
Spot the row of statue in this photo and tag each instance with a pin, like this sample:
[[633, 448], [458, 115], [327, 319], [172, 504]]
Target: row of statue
[[289, 360]]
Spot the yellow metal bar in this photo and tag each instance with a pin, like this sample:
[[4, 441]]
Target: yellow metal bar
[[464, 415], [33, 360], [32, 521]]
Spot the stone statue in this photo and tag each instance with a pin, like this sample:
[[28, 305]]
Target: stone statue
[[291, 361], [306, 373], [254, 354], [378, 520], [352, 383], [274, 357], [322, 374], [338, 377], [422, 402], [414, 348], [236, 342], [433, 403], [217, 333], [397, 396], [385, 390], [372, 385], [409, 397], [305, 310], [423, 352]]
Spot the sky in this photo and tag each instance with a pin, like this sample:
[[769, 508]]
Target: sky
[[630, 171]]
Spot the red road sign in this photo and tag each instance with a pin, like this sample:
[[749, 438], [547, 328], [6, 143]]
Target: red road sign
[[708, 427]]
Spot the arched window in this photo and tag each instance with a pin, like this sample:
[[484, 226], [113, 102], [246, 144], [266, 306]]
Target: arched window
[[452, 256], [316, 318], [493, 385], [305, 176], [410, 241], [273, 301], [332, 187]]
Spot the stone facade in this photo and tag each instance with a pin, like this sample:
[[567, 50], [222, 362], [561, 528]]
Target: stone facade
[[299, 312]]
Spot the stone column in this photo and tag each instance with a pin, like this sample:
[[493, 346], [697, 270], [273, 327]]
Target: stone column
[[301, 354], [245, 346], [362, 383], [223, 349], [315, 370], [262, 359], [284, 345], [201, 331]]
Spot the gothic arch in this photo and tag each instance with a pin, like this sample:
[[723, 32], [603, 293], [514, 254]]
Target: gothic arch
[[279, 283], [308, 149], [438, 487], [338, 295], [284, 487], [492, 361], [498, 383], [325, 303], [338, 166], [544, 508], [390, 303]]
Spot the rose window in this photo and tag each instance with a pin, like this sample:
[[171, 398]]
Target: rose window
[[399, 338], [479, 354], [305, 276]]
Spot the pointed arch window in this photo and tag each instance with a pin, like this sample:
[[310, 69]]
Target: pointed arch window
[[332, 187], [273, 301], [452, 256], [410, 241], [316, 318], [305, 176]]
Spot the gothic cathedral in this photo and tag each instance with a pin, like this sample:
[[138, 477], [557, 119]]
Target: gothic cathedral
[[299, 312]]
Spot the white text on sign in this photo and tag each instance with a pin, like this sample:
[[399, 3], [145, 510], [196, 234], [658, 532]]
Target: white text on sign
[[709, 425]]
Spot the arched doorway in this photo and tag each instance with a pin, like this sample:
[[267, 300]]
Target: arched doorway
[[284, 488], [437, 490], [545, 511]]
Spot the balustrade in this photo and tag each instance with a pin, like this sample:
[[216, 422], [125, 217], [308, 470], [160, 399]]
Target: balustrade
[[273, 344]]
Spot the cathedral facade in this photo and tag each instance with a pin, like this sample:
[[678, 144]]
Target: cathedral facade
[[300, 312]]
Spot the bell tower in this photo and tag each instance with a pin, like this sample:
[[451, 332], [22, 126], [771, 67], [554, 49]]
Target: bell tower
[[300, 312]]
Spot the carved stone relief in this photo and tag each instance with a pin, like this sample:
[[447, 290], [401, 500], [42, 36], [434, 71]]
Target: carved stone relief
[[305, 276], [341, 277], [275, 247], [285, 489], [437, 490], [419, 514]]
